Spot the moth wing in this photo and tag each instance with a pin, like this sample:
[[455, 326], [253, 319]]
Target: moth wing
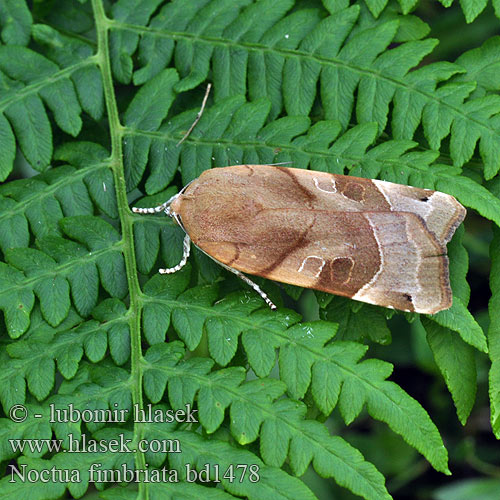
[[414, 271], [383, 258], [441, 212], [374, 241]]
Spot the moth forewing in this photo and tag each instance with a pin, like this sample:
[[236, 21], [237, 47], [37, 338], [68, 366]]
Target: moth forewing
[[370, 240]]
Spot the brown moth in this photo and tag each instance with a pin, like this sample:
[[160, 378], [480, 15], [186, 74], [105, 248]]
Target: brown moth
[[369, 240]]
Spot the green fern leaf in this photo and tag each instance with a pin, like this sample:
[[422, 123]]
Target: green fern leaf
[[261, 349], [473, 8], [335, 457], [8, 146], [76, 54], [13, 388], [110, 313], [449, 351], [36, 490], [221, 390], [99, 237], [52, 292], [32, 129], [15, 19], [273, 483], [98, 179], [493, 336], [82, 276], [385, 400], [460, 320], [17, 304], [25, 65], [13, 226], [146, 112], [370, 323], [480, 64], [124, 43]]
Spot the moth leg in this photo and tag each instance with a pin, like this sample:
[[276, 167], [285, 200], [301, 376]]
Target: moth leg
[[185, 256], [256, 287]]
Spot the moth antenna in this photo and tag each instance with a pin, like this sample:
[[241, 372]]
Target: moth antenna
[[164, 207], [151, 210], [185, 256], [198, 116], [256, 287]]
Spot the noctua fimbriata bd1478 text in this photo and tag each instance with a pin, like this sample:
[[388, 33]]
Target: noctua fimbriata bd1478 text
[[370, 240]]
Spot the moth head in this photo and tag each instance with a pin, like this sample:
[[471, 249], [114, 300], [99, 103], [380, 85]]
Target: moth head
[[170, 207]]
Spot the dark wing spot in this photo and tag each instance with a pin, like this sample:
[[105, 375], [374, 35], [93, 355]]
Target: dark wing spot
[[425, 198], [341, 269], [354, 191]]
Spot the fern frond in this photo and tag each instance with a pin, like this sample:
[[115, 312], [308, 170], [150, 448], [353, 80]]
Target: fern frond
[[494, 334], [336, 53], [16, 20], [32, 83]]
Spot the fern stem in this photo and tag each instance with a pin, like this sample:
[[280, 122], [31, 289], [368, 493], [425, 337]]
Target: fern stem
[[116, 133]]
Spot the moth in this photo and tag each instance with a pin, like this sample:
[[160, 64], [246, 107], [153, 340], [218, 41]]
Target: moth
[[370, 240]]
